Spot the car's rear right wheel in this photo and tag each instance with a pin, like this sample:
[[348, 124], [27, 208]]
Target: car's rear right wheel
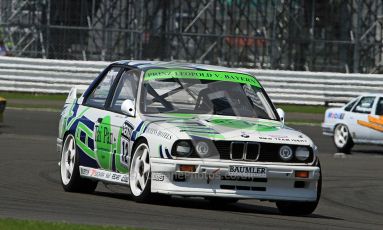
[[342, 139], [69, 165]]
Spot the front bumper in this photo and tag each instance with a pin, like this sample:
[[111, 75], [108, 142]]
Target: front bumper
[[211, 179], [328, 129]]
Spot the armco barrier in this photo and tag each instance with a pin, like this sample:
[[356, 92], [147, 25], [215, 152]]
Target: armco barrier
[[292, 87]]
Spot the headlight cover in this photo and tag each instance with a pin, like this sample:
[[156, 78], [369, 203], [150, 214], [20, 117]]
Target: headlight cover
[[202, 149], [302, 153], [183, 149], [285, 153]]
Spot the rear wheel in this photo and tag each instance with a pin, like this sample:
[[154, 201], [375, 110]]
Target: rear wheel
[[301, 208], [140, 173], [69, 165], [342, 139]]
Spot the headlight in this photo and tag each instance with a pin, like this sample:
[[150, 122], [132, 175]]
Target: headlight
[[183, 149], [285, 153], [302, 153], [202, 149]]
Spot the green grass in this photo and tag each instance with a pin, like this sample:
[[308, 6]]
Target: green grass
[[12, 224], [33, 96], [317, 109]]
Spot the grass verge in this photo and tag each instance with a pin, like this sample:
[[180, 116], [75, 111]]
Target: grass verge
[[33, 96], [316, 109], [13, 224]]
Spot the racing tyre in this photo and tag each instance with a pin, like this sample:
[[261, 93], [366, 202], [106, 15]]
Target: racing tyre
[[139, 173], [293, 208], [69, 164], [342, 139]]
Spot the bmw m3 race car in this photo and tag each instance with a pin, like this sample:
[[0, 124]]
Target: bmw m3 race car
[[189, 130], [358, 122]]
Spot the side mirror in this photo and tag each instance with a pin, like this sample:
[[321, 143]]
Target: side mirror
[[281, 114], [127, 108]]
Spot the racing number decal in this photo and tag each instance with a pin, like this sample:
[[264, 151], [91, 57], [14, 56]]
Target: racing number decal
[[126, 135]]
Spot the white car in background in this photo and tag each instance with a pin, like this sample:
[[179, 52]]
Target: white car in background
[[358, 122]]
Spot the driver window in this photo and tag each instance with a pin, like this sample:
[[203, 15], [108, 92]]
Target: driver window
[[126, 89], [379, 107], [99, 95], [364, 105]]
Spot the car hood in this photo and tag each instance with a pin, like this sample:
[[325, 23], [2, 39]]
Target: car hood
[[216, 127]]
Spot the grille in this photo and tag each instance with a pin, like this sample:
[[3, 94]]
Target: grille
[[252, 151]]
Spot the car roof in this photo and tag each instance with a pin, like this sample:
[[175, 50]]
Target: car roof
[[146, 65], [371, 95]]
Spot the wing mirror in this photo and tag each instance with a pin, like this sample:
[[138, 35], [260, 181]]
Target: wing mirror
[[127, 108], [281, 115]]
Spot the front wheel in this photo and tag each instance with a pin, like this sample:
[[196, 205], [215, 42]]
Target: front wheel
[[342, 139], [69, 165], [295, 208], [139, 173]]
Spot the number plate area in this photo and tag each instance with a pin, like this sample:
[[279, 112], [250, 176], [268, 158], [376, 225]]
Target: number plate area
[[247, 171]]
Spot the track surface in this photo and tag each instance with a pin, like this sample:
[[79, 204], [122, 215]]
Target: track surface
[[30, 189]]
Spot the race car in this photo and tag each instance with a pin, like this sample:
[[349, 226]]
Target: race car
[[184, 129], [360, 121], [3, 103]]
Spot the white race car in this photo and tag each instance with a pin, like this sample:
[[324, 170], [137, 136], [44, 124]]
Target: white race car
[[189, 130], [358, 122]]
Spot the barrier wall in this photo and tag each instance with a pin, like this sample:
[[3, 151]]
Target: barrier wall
[[291, 87]]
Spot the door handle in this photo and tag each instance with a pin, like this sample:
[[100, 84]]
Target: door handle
[[99, 120]]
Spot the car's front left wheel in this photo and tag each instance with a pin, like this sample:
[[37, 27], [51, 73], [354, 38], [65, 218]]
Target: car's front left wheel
[[69, 165], [139, 173], [295, 208]]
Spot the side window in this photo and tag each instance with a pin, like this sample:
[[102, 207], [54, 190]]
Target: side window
[[126, 89], [379, 107], [350, 105], [365, 105], [99, 95]]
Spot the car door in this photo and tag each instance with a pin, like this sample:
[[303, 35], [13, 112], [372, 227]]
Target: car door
[[376, 122], [99, 121], [358, 118], [121, 124]]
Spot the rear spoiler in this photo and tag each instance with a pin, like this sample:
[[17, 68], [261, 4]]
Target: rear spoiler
[[75, 93]]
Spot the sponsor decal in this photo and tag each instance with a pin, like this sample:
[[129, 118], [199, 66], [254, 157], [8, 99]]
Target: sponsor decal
[[104, 175], [84, 171], [335, 115], [243, 124], [158, 177], [250, 171], [105, 143], [283, 139], [374, 122], [159, 133], [202, 75], [125, 179]]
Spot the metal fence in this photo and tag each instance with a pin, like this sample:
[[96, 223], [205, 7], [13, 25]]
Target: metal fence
[[290, 87], [314, 35]]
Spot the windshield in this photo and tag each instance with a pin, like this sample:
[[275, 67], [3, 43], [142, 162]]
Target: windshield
[[204, 92]]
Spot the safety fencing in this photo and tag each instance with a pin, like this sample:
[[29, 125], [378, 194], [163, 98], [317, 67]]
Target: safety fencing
[[290, 87]]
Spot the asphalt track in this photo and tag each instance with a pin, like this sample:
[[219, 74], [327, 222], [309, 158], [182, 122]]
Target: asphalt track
[[30, 189]]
